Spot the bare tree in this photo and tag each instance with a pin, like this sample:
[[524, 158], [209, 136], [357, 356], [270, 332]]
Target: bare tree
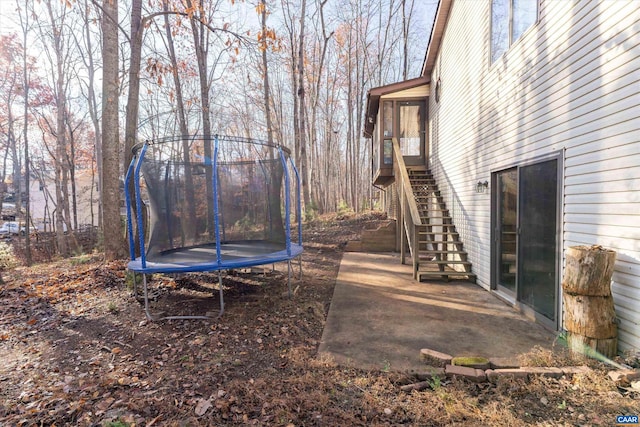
[[112, 228], [59, 53], [25, 27], [86, 47], [302, 134], [190, 204]]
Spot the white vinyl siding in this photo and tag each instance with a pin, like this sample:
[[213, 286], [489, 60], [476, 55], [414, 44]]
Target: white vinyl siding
[[570, 86]]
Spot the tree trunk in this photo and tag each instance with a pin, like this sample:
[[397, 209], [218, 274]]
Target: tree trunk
[[190, 226], [131, 110], [25, 129], [200, 43], [71, 165], [133, 97], [301, 114], [61, 174], [589, 315], [93, 108], [275, 212], [113, 244]]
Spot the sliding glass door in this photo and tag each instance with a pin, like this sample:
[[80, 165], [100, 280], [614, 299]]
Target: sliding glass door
[[507, 212], [526, 236]]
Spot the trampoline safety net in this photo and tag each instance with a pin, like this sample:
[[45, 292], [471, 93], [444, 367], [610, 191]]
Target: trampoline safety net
[[207, 204]]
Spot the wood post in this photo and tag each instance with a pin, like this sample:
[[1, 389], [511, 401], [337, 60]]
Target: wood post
[[589, 315]]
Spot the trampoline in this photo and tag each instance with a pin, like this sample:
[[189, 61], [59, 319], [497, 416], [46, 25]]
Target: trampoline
[[209, 205]]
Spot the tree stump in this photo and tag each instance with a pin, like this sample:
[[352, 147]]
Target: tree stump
[[589, 315]]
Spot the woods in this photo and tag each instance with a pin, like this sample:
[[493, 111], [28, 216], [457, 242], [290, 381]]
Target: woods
[[83, 81]]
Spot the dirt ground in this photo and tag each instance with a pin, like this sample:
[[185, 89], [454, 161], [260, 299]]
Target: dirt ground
[[76, 349]]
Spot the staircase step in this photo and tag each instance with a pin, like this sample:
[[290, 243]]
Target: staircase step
[[427, 195], [440, 211], [446, 262], [434, 233], [446, 275], [426, 260]]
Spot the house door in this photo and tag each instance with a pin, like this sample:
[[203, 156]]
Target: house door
[[526, 237], [411, 131]]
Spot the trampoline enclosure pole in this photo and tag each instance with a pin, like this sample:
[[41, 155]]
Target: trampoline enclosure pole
[[298, 211], [143, 256], [127, 198], [215, 201], [298, 202], [287, 202]]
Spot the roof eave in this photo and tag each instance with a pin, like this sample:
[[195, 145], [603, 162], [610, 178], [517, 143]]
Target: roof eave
[[437, 31]]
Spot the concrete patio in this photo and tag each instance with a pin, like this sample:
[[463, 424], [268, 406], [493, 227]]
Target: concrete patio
[[380, 318]]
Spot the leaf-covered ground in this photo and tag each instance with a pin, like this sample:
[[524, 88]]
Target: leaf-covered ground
[[75, 349]]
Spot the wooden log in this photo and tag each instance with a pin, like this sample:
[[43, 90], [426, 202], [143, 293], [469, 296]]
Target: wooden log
[[585, 345], [588, 270], [590, 316], [422, 385]]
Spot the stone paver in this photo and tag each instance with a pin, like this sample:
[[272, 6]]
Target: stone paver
[[473, 374], [435, 358], [504, 362], [624, 376]]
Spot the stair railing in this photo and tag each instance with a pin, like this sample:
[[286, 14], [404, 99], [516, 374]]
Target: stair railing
[[409, 214]]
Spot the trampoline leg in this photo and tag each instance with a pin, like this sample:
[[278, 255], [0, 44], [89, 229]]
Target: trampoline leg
[[151, 318], [146, 299], [135, 285], [289, 276], [221, 293]]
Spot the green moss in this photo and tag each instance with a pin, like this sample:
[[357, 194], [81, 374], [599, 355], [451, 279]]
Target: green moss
[[469, 361]]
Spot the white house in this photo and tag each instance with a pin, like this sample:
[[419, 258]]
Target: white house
[[43, 199], [531, 118]]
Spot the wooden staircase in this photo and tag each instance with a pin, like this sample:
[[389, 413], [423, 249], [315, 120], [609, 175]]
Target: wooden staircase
[[441, 255]]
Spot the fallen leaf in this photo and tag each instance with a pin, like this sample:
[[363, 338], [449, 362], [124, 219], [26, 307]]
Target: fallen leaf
[[116, 350], [202, 407]]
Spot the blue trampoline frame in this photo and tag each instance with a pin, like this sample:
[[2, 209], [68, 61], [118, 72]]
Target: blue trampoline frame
[[220, 262]]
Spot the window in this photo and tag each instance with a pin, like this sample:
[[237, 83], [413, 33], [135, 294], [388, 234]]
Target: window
[[411, 127], [509, 19], [387, 155], [387, 118]]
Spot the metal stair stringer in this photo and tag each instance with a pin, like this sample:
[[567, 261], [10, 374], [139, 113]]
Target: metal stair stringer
[[441, 254]]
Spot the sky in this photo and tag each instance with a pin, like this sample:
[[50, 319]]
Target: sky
[[426, 10]]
